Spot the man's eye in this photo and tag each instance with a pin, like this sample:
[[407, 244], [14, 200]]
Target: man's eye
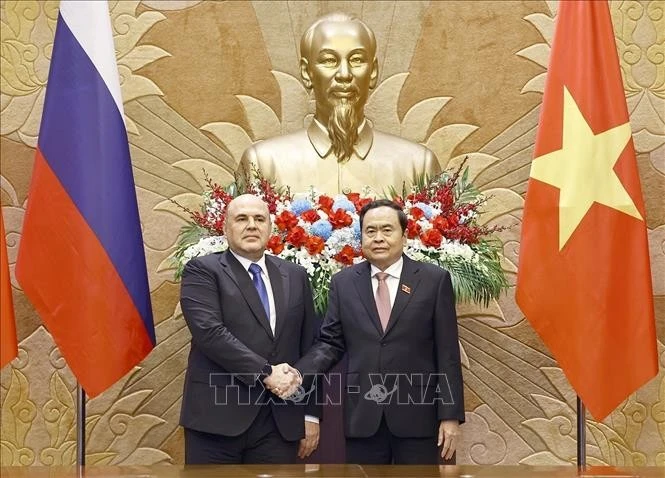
[[328, 61]]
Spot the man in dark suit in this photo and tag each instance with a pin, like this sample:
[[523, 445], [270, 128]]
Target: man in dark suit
[[396, 319], [246, 310]]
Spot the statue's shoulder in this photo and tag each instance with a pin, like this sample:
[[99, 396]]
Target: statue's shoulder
[[276, 144], [390, 142]]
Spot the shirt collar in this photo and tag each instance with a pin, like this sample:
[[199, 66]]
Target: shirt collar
[[247, 262], [395, 269], [318, 136]]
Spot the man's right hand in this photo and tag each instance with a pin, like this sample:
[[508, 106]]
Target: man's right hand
[[283, 381]]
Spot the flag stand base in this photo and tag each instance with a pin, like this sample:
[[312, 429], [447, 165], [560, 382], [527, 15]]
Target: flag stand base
[[80, 427]]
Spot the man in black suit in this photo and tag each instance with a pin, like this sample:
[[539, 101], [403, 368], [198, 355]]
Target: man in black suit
[[396, 319], [246, 310]]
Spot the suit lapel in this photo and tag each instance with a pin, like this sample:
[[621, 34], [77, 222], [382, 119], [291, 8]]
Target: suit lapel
[[240, 276], [407, 282], [363, 284], [278, 280]]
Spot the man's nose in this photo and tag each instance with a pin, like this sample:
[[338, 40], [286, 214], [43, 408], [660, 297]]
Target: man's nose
[[344, 71], [251, 223]]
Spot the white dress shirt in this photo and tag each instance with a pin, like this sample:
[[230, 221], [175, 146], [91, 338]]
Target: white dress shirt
[[392, 281]]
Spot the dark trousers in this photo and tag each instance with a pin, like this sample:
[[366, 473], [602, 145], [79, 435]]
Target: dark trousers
[[260, 443], [383, 448]]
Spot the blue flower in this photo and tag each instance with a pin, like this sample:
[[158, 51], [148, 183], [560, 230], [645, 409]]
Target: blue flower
[[321, 228], [341, 202], [426, 209], [356, 230], [300, 205]]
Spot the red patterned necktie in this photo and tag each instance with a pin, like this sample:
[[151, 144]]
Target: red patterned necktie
[[382, 299]]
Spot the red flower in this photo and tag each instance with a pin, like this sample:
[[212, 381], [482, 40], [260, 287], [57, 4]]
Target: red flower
[[353, 197], [314, 245], [297, 236], [275, 244], [453, 219], [361, 203], [220, 195], [440, 223], [310, 216], [445, 198], [339, 219], [468, 235], [346, 255], [431, 238], [218, 225], [286, 220], [420, 196], [416, 213], [412, 229], [326, 203]]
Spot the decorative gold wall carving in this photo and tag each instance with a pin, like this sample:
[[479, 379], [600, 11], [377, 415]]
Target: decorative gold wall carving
[[203, 80]]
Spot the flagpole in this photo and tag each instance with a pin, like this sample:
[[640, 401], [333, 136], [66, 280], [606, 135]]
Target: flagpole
[[581, 433], [80, 426]]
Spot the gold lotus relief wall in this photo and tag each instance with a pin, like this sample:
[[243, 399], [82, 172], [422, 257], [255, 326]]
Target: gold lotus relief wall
[[28, 28], [519, 406]]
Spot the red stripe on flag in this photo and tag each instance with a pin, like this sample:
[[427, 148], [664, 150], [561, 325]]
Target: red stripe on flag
[[8, 342], [76, 289]]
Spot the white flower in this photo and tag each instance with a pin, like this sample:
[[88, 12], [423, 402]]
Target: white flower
[[205, 246], [454, 248], [340, 238], [425, 225]]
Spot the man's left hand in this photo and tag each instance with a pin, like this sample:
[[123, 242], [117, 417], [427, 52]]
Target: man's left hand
[[311, 440], [448, 436]]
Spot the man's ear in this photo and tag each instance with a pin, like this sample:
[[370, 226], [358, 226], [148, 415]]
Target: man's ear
[[304, 73], [374, 76]]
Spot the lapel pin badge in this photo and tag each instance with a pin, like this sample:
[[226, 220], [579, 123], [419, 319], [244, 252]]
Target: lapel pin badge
[[406, 289]]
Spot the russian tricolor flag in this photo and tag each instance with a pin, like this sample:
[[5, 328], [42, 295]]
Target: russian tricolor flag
[[81, 260]]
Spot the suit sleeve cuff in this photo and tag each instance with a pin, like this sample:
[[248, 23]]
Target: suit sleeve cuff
[[311, 418]]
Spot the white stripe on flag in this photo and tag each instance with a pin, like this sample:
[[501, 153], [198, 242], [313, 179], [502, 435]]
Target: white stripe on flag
[[90, 23]]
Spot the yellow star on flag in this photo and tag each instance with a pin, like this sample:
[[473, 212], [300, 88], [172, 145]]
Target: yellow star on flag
[[583, 169]]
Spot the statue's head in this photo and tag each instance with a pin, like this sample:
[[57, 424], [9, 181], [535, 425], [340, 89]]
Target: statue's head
[[338, 62]]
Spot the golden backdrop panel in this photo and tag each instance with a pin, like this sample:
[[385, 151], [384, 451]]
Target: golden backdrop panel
[[201, 81]]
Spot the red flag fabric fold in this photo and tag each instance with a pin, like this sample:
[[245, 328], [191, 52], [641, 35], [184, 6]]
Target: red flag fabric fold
[[584, 279], [8, 342]]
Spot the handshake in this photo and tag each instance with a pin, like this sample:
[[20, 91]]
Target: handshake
[[283, 381]]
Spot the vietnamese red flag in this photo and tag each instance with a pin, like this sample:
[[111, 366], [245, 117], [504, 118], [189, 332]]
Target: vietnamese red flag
[[8, 343], [81, 259], [584, 279]]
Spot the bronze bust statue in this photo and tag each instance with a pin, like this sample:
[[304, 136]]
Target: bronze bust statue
[[340, 151]]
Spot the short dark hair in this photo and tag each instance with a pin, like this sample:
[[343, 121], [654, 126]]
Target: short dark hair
[[401, 215]]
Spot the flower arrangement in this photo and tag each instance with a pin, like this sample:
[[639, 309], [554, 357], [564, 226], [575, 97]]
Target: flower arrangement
[[322, 233]]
